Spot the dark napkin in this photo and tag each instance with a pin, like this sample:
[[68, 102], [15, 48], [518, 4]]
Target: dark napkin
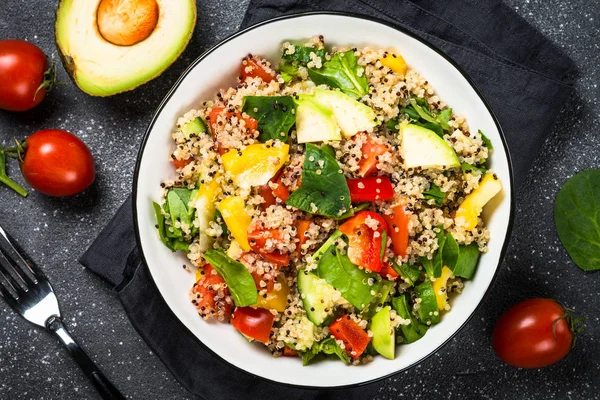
[[524, 77]]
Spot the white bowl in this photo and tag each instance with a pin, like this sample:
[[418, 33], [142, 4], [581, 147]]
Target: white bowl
[[217, 69]]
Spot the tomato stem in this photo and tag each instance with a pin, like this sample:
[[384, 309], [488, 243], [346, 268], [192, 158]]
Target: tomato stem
[[49, 80], [5, 179], [576, 324]]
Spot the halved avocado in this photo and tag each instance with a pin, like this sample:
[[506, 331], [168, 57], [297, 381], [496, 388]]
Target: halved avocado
[[111, 46]]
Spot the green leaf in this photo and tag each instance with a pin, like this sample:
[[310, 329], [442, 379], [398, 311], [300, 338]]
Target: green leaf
[[450, 253], [467, 261], [422, 111], [467, 168], [434, 193], [383, 245], [351, 281], [443, 117], [353, 210], [327, 245], [577, 218], [379, 299], [302, 56], [326, 346], [275, 115], [409, 273], [236, 275], [287, 71], [411, 113], [486, 140], [178, 200], [415, 330], [438, 257], [221, 221], [342, 71], [427, 266], [392, 124], [172, 243], [436, 128], [428, 309], [323, 185]]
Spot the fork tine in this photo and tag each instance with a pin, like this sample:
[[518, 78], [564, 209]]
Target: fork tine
[[8, 278], [20, 262]]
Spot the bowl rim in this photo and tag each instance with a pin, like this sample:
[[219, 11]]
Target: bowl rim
[[401, 29]]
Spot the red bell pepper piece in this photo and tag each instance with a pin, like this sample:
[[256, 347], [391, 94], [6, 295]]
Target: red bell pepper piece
[[375, 188], [302, 226], [364, 231], [388, 272], [355, 339], [371, 150], [398, 229]]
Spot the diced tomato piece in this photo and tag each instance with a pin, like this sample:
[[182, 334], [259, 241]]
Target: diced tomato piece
[[388, 272], [251, 123], [178, 164], [212, 295], [257, 278], [253, 66], [302, 226], [255, 323], [266, 193], [288, 352], [270, 195], [371, 150], [258, 241], [375, 188], [365, 239], [281, 191], [347, 330], [398, 229]]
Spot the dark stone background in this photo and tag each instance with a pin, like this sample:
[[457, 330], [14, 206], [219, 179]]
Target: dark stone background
[[56, 232]]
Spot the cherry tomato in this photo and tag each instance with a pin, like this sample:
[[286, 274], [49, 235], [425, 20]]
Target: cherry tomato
[[371, 151], [212, 295], [365, 239], [374, 188], [57, 163], [302, 226], [398, 229], [269, 195], [354, 337], [178, 164], [255, 323], [287, 352], [253, 66], [24, 75], [534, 333], [258, 242]]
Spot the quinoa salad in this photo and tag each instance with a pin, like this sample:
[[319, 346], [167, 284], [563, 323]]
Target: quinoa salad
[[329, 203]]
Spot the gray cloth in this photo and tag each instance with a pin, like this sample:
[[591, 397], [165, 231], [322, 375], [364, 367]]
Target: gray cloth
[[522, 75]]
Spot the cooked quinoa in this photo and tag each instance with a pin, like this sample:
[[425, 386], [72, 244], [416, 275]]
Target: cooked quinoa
[[275, 239]]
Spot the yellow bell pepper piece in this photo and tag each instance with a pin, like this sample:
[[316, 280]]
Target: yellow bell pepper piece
[[277, 299], [199, 273], [441, 296], [394, 62], [234, 212], [471, 207], [256, 164], [206, 210], [235, 251]]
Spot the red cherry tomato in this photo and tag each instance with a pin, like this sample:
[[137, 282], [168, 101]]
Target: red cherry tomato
[[534, 333], [255, 323], [258, 242], [374, 188], [57, 163], [365, 239], [24, 75], [253, 66], [354, 337]]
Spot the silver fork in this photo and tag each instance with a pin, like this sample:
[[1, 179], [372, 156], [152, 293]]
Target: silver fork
[[27, 290]]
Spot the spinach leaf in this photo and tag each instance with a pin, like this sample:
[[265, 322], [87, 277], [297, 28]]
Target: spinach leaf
[[301, 54], [392, 124], [409, 273], [274, 114], [443, 117], [324, 190], [486, 140], [577, 218], [351, 281], [412, 114], [428, 308], [467, 261], [236, 275], [342, 72], [287, 71], [378, 301], [327, 245], [427, 266], [450, 253], [434, 193], [422, 111], [178, 200], [326, 346], [472, 168], [438, 257], [353, 210], [172, 244], [419, 112], [415, 330], [221, 221], [432, 127]]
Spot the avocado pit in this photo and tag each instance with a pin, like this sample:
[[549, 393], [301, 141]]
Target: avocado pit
[[127, 22]]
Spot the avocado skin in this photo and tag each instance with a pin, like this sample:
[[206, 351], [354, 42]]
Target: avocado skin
[[71, 69]]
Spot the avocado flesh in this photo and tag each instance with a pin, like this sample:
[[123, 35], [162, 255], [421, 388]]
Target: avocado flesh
[[101, 68], [351, 115], [421, 147], [315, 123]]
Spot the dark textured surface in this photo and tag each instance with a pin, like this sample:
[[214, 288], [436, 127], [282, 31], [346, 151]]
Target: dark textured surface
[[56, 231]]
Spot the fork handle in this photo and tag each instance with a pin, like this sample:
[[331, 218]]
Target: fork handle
[[106, 389]]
